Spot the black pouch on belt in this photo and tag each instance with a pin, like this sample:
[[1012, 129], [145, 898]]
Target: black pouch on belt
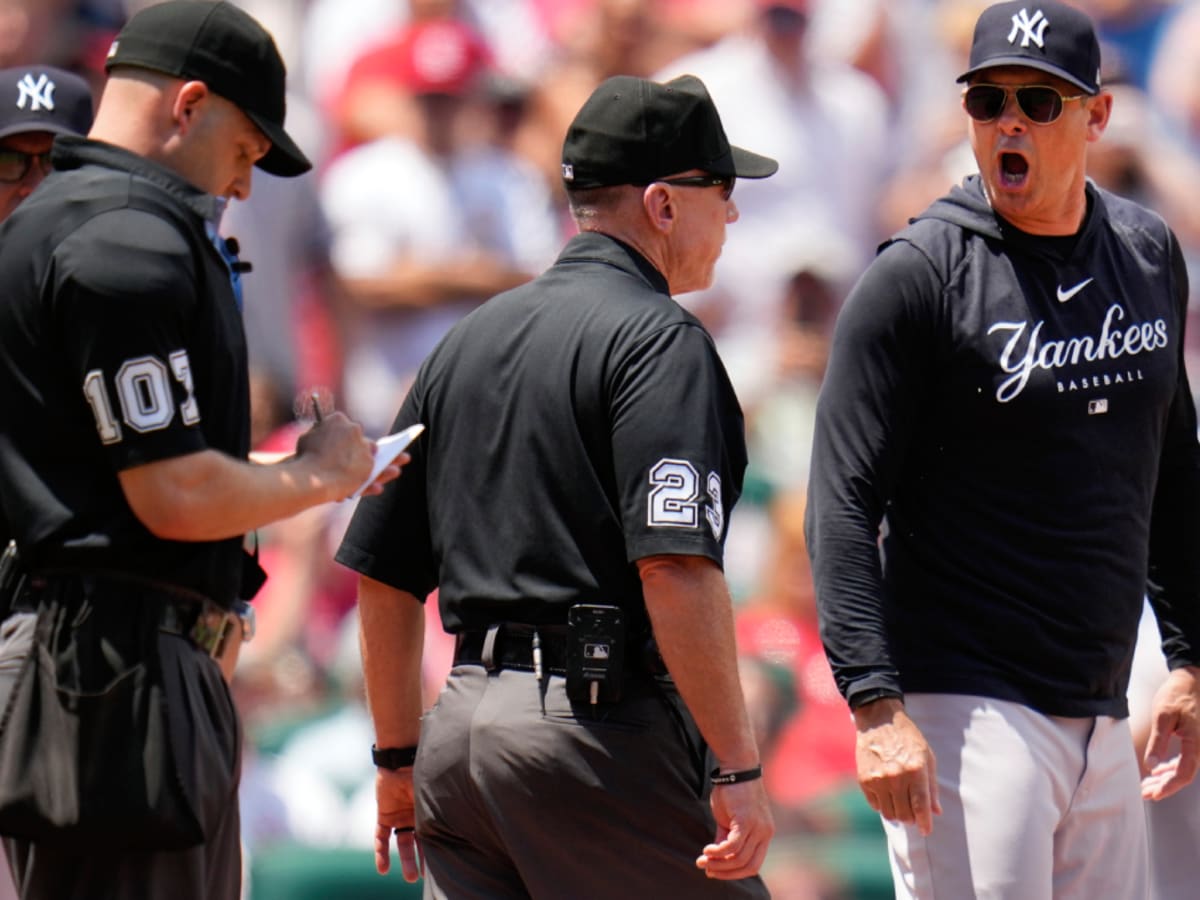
[[595, 653]]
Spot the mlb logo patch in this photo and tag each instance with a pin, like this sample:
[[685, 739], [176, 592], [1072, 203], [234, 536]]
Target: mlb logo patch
[[1097, 407]]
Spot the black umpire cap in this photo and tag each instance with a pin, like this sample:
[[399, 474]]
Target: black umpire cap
[[228, 50], [635, 131]]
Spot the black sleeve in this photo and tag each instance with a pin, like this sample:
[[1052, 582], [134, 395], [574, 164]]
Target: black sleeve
[[879, 368], [124, 294], [389, 538], [1174, 582], [678, 445]]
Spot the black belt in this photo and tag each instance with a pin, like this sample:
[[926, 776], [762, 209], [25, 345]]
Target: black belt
[[509, 645], [180, 611]]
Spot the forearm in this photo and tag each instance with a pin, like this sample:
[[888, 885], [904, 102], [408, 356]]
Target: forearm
[[392, 635], [692, 615], [209, 496]]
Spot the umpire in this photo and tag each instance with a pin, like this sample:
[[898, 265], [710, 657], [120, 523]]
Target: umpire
[[570, 501], [124, 430]]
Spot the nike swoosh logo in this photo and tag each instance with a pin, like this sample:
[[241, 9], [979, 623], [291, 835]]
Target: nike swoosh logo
[[1064, 296]]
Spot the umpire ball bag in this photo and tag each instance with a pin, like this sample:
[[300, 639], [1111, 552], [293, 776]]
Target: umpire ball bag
[[106, 736]]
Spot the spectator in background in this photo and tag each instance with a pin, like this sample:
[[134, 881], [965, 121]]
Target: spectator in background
[[827, 126], [779, 429], [436, 55], [423, 223], [1137, 161], [593, 41], [1174, 77], [334, 34], [1129, 32], [290, 293]]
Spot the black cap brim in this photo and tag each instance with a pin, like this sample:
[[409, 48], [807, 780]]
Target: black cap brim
[[284, 158], [752, 165], [1026, 63]]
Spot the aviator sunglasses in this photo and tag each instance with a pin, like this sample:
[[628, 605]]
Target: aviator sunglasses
[[1040, 103], [725, 182], [15, 164]]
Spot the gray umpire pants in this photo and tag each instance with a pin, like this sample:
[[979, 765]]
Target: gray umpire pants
[[210, 871], [513, 802]]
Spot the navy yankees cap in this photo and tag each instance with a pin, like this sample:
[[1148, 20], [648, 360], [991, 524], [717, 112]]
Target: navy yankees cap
[[635, 131], [227, 49], [43, 98], [1043, 34]]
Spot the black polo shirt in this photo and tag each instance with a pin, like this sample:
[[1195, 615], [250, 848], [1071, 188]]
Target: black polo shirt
[[120, 344], [574, 425]]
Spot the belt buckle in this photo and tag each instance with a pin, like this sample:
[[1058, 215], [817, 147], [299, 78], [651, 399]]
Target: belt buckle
[[208, 632]]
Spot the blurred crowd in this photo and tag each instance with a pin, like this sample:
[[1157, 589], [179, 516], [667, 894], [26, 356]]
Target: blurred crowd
[[436, 127]]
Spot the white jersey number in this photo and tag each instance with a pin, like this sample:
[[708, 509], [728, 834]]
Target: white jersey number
[[675, 497], [716, 509], [144, 395]]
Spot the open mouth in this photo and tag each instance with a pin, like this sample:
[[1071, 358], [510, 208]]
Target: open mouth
[[1014, 169]]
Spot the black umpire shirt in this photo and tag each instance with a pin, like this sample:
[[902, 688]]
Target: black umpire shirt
[[120, 344], [575, 425]]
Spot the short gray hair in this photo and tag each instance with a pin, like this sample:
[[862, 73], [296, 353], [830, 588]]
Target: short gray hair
[[588, 205]]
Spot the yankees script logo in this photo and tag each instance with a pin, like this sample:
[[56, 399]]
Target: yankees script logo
[[1025, 25], [1025, 352]]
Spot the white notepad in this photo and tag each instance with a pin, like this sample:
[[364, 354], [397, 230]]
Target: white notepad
[[386, 450]]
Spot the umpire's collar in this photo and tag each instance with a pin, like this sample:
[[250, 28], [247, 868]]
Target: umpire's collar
[[592, 246], [71, 152]]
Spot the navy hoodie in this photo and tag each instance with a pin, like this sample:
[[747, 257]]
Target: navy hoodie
[[1015, 413]]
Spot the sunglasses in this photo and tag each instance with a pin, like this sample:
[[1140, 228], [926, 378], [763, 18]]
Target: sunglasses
[[724, 182], [15, 164], [1040, 103]]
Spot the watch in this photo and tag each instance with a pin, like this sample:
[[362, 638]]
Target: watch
[[393, 757]]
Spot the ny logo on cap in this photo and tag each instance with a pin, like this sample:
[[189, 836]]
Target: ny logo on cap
[[1025, 25], [40, 93]]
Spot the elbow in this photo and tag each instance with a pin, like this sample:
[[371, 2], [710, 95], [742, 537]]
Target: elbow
[[668, 578], [168, 521], [665, 568], [167, 496]]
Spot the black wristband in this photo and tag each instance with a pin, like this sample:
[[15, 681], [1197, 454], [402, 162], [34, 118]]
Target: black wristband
[[716, 776], [393, 757]]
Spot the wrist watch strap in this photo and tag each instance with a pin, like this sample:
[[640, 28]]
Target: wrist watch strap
[[393, 757]]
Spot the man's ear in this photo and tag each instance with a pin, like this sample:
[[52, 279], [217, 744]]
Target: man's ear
[[188, 100], [1099, 112], [660, 208]]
